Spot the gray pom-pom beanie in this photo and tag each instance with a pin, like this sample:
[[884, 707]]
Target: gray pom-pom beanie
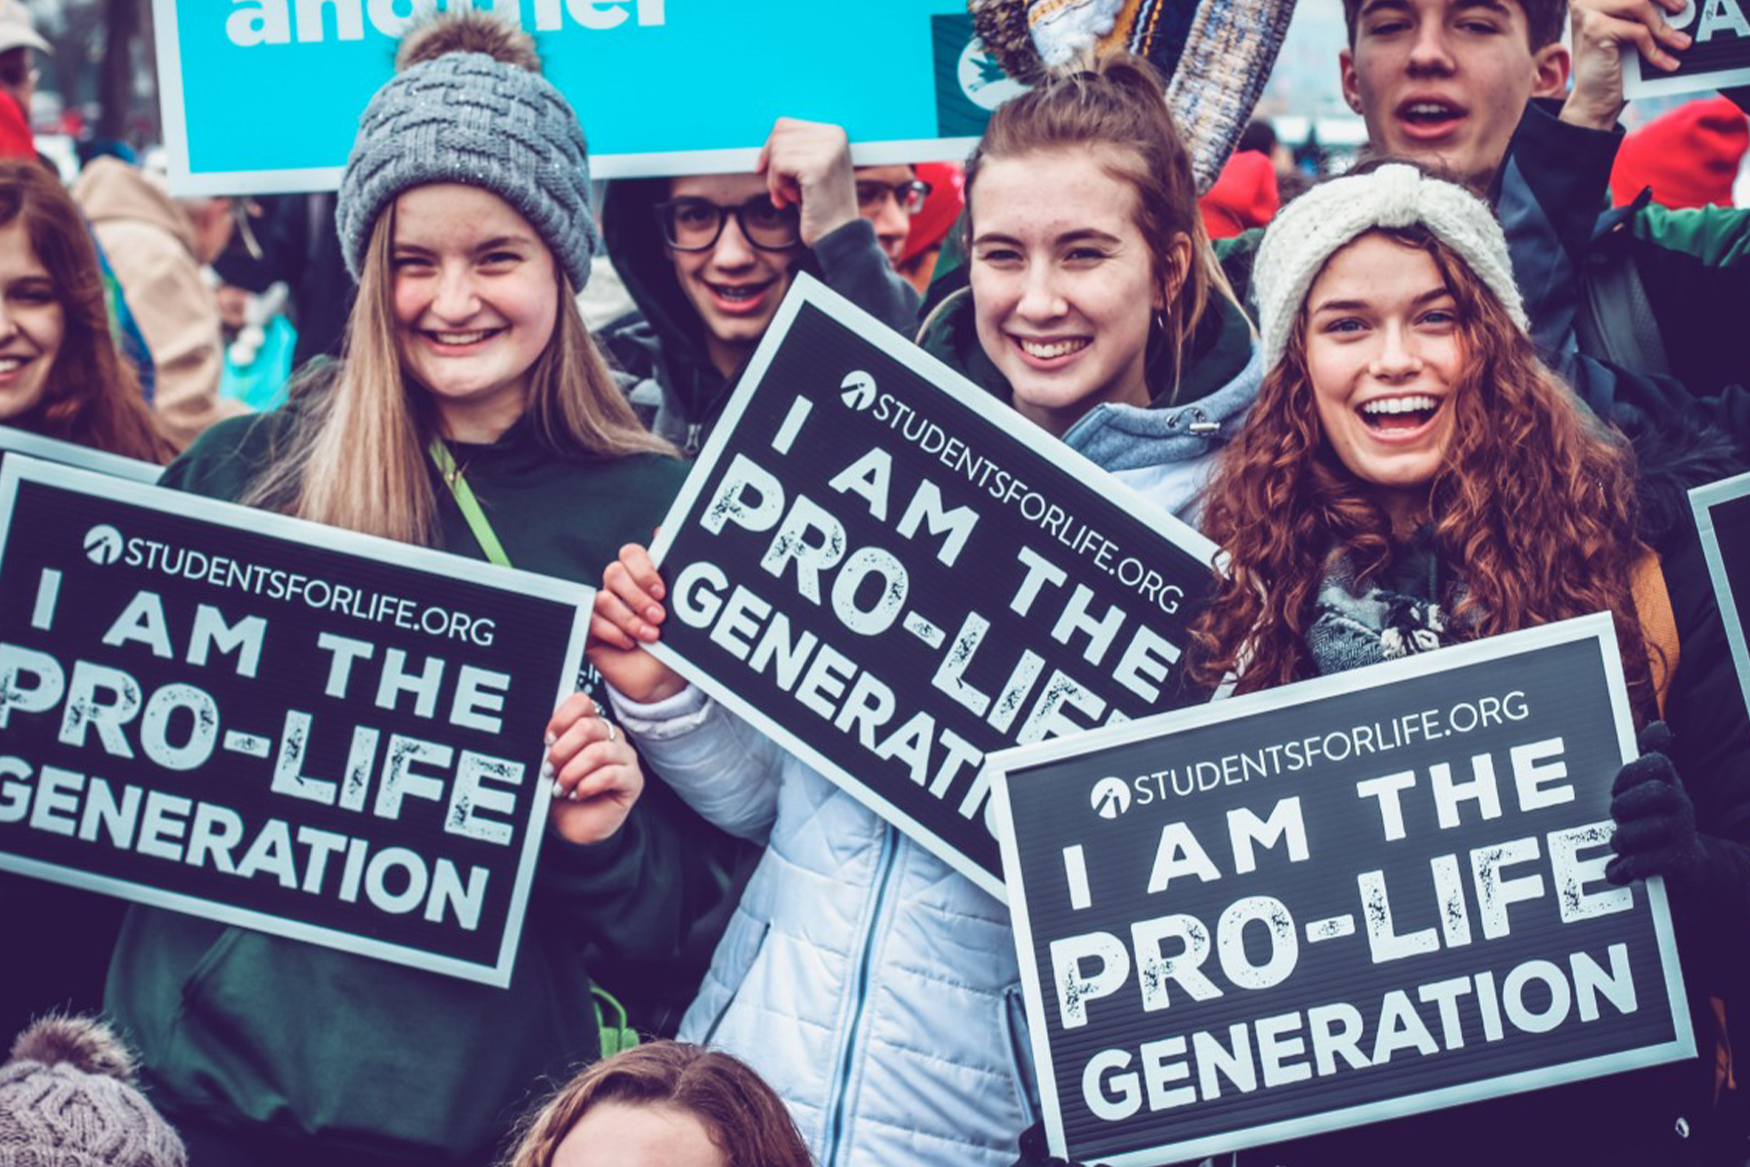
[[1308, 231], [468, 117], [66, 1099]]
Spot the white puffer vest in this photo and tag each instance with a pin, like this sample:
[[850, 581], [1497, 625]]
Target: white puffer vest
[[873, 986]]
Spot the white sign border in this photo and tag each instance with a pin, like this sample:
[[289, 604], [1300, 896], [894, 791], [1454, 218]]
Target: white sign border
[[184, 181], [1597, 627], [15, 470], [23, 442], [1702, 500], [1638, 80], [808, 291]]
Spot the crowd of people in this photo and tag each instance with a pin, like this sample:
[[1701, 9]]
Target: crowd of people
[[1449, 394]]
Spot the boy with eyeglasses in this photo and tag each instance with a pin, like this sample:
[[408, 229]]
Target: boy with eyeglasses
[[708, 258], [888, 196]]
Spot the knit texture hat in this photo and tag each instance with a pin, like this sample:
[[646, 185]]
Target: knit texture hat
[[467, 106], [1217, 53], [66, 1100], [1689, 156], [1315, 226]]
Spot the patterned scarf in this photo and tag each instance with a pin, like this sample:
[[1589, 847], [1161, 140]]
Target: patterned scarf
[[1397, 616]]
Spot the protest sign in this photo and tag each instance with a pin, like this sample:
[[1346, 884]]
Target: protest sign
[[1719, 58], [17, 441], [890, 572], [1334, 903], [661, 86], [1722, 516], [272, 723]]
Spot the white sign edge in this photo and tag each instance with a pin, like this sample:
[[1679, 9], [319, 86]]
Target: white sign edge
[[1641, 82], [18, 468], [183, 180], [64, 453], [809, 291], [1702, 500], [1598, 626]]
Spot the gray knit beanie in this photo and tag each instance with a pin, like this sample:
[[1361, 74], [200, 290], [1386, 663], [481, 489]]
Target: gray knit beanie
[[66, 1100], [1308, 231], [468, 106]]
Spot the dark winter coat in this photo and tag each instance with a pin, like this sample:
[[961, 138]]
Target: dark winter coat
[[1552, 199], [1666, 1115], [241, 1029]]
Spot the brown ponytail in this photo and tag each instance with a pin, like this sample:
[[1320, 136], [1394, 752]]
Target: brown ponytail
[[1121, 103]]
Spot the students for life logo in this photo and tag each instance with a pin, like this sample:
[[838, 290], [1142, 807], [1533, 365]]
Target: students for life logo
[[1110, 797], [857, 390], [103, 544]]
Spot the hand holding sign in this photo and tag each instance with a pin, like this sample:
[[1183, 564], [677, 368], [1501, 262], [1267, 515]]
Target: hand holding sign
[[594, 770], [627, 612], [808, 166], [1604, 32], [1714, 36]]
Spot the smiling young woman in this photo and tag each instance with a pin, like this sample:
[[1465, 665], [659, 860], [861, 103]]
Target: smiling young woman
[[1413, 477], [1096, 306], [474, 414], [62, 377], [60, 373], [1097, 313]]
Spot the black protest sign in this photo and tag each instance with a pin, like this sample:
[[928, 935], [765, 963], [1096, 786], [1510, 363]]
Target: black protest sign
[[1722, 516], [1337, 902], [892, 574], [1719, 58], [17, 441], [273, 723]]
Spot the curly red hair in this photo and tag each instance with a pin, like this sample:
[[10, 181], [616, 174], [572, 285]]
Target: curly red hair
[[1533, 513]]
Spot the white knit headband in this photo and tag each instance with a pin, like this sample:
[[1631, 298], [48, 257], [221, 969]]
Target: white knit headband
[[1312, 228]]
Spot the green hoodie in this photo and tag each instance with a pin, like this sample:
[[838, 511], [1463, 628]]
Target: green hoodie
[[238, 1028]]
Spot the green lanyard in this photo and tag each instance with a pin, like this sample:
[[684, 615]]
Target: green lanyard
[[470, 506]]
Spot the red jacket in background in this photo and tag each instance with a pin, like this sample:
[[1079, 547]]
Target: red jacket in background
[[1689, 156], [16, 140], [1244, 197]]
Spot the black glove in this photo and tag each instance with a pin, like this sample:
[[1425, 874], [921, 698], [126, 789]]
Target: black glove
[[1655, 821], [1034, 1152]]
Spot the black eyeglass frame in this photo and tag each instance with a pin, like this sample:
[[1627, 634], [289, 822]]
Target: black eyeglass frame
[[900, 191], [664, 212]]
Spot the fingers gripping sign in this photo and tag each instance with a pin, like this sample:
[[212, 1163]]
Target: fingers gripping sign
[[1604, 31], [628, 616], [808, 166], [594, 770]]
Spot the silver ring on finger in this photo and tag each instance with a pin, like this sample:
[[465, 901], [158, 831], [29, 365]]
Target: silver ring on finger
[[613, 733]]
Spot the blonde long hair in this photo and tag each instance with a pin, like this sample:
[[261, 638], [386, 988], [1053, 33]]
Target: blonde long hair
[[356, 457]]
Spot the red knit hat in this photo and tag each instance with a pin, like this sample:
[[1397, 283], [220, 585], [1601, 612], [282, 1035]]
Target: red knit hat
[[947, 196], [1689, 156]]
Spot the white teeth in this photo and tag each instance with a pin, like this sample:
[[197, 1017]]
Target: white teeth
[[1429, 109], [10, 365], [1400, 405], [746, 292], [1046, 352], [459, 338]]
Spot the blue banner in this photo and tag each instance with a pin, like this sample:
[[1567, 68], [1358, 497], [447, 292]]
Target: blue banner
[[265, 95]]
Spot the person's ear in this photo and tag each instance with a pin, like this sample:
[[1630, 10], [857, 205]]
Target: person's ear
[[1179, 258], [1552, 64], [1351, 88]]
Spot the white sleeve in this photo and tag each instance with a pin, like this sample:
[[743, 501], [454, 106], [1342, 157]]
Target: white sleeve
[[723, 767]]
